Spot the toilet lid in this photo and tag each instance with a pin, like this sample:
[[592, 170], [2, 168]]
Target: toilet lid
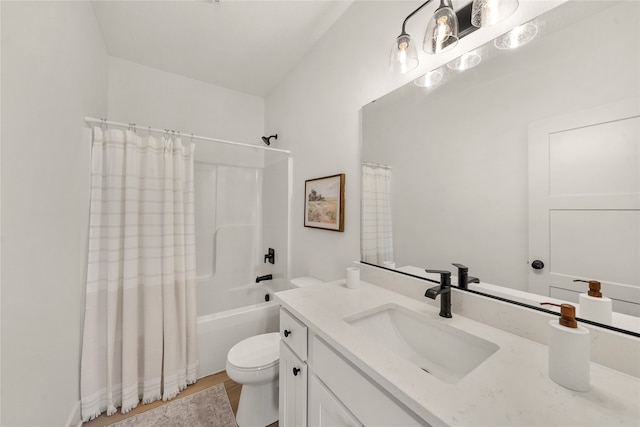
[[259, 351]]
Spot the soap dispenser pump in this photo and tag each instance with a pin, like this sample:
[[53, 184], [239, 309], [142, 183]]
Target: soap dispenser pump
[[569, 350], [593, 306]]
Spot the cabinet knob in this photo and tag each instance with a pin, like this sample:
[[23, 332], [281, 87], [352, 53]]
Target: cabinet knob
[[286, 333], [295, 371]]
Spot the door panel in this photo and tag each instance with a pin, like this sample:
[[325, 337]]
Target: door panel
[[584, 202]]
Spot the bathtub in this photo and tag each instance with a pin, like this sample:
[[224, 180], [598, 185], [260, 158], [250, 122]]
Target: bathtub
[[218, 332]]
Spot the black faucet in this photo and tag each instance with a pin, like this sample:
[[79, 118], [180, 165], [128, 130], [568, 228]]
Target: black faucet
[[444, 290], [463, 276], [265, 277]]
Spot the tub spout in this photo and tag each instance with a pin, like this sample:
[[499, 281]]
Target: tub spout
[[265, 277]]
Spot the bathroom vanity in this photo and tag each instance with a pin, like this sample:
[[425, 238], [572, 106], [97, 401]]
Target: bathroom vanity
[[342, 363]]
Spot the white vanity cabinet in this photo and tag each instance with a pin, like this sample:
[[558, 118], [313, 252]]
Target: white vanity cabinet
[[325, 410], [368, 402], [324, 390], [293, 372]]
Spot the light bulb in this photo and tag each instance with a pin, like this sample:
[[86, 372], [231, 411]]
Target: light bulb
[[403, 56], [403, 44], [443, 31]]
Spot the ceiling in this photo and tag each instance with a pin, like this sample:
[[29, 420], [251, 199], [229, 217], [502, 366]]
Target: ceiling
[[248, 46]]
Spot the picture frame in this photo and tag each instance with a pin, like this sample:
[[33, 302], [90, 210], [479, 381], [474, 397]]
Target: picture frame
[[324, 202]]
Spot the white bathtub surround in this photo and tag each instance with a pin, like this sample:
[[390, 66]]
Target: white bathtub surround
[[510, 387], [140, 322]]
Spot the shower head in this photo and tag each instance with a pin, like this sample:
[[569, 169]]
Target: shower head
[[267, 140]]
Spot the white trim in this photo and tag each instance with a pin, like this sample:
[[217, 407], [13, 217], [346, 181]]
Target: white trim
[[74, 419]]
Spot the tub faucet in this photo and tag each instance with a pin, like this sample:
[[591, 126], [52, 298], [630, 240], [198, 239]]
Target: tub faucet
[[265, 277], [444, 290], [463, 276]]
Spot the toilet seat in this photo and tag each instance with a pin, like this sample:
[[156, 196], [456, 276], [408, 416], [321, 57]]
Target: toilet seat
[[255, 353]]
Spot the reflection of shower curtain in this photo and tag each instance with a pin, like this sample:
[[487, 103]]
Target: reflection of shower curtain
[[140, 319], [376, 243]]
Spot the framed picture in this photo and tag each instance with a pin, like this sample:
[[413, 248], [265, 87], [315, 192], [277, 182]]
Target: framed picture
[[324, 202]]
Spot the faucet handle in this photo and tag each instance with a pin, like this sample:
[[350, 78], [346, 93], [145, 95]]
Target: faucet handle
[[463, 276], [440, 272], [445, 277], [460, 267]]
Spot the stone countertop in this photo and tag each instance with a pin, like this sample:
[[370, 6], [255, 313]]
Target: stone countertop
[[511, 387]]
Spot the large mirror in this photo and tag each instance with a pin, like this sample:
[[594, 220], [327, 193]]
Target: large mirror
[[532, 155]]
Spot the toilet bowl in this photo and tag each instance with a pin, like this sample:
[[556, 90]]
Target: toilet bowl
[[253, 362]]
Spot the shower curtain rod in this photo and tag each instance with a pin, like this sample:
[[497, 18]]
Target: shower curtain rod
[[192, 136]]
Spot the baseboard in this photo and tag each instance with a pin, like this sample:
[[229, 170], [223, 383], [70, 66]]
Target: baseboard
[[75, 419]]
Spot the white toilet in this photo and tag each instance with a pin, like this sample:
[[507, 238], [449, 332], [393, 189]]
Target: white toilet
[[253, 362]]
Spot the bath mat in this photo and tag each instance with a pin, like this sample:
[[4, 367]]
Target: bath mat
[[206, 408]]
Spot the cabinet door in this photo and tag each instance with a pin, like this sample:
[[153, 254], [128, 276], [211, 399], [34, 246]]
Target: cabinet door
[[325, 410], [293, 389]]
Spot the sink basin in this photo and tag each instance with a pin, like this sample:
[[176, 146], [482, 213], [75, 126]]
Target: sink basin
[[441, 350]]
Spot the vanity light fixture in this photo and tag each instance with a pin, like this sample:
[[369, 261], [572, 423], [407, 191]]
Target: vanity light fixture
[[489, 12], [430, 79], [465, 62], [442, 33], [517, 37]]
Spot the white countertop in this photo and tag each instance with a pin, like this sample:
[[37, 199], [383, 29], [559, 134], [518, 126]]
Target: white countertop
[[511, 387]]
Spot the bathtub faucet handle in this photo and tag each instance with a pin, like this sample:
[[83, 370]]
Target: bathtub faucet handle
[[270, 256]]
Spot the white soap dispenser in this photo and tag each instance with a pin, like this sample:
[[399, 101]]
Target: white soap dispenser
[[593, 306], [569, 350]]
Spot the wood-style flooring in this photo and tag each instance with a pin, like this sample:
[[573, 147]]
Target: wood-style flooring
[[233, 392]]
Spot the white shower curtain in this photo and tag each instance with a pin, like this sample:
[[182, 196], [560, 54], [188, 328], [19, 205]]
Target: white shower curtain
[[139, 338], [376, 237]]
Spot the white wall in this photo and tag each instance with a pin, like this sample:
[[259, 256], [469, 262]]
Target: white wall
[[151, 97], [54, 72], [316, 112]]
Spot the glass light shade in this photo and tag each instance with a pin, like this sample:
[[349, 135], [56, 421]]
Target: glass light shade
[[464, 62], [404, 56], [490, 12], [517, 37], [430, 79], [442, 30]]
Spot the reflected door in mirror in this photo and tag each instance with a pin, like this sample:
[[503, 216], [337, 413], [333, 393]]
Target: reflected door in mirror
[[584, 203]]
